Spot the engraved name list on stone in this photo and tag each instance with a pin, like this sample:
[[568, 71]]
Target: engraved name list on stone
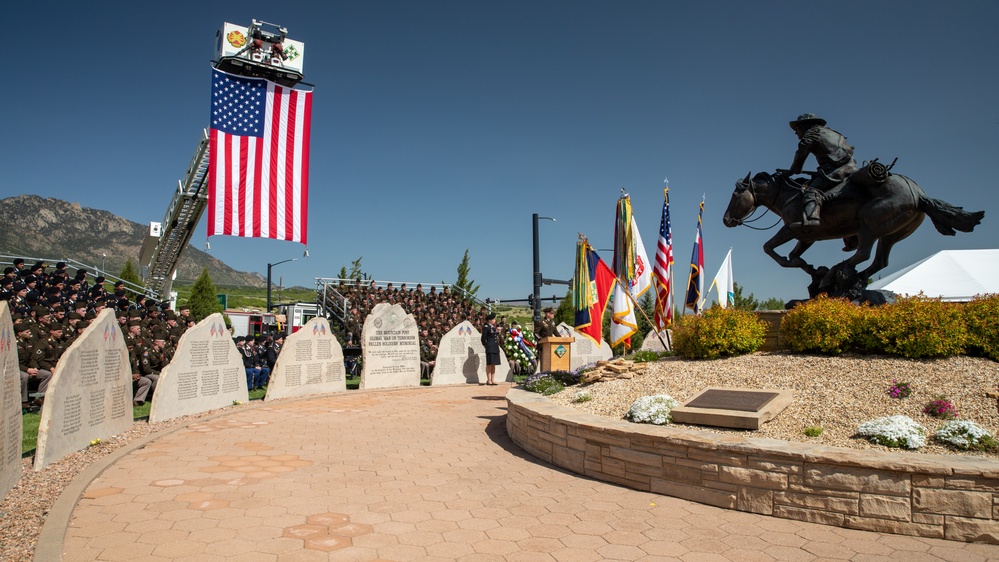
[[311, 362], [206, 373], [11, 424], [83, 403]]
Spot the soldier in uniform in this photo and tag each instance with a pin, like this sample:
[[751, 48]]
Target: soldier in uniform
[[31, 373], [834, 156], [546, 326], [249, 361], [161, 352], [143, 377], [98, 290], [490, 342], [427, 357]]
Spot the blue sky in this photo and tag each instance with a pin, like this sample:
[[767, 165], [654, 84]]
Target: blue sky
[[443, 125]]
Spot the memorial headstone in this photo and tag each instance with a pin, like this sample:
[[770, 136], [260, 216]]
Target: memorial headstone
[[206, 373], [740, 408], [90, 394], [461, 358], [310, 362], [390, 348], [10, 405], [584, 351], [653, 343]]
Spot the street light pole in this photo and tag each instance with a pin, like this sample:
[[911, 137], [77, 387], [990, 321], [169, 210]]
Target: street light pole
[[269, 266], [536, 312]]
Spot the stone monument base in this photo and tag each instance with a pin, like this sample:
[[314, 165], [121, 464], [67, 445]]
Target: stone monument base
[[738, 408]]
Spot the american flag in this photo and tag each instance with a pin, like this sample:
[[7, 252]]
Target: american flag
[[663, 271], [258, 178]]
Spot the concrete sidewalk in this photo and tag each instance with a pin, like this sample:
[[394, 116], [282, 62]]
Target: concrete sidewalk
[[418, 474]]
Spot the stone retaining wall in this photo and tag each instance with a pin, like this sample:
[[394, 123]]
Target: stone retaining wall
[[939, 496]]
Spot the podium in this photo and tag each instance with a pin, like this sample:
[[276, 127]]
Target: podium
[[555, 353]]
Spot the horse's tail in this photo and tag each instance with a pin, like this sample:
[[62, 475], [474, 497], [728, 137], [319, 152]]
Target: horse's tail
[[947, 218]]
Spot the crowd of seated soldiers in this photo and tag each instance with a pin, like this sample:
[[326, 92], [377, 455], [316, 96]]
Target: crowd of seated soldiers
[[436, 312], [50, 309]]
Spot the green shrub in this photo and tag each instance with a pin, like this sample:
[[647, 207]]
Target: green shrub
[[821, 325], [566, 378], [645, 356], [983, 329], [719, 332], [917, 327], [866, 329], [813, 430], [544, 384]]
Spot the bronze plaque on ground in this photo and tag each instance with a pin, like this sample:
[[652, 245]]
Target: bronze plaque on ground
[[740, 408], [742, 400]]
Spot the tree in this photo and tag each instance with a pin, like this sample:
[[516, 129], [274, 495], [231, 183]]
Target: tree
[[129, 275], [773, 303], [354, 272], [750, 303], [355, 269], [743, 302], [464, 283], [648, 304], [203, 301], [565, 312]]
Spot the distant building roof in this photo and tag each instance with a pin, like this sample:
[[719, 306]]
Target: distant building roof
[[953, 275]]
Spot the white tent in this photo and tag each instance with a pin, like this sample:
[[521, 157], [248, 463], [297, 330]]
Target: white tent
[[952, 275]]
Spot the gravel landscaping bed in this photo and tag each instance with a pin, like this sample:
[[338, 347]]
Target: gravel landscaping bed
[[836, 393]]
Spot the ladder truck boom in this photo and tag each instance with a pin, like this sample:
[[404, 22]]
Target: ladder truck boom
[[262, 50], [160, 255]]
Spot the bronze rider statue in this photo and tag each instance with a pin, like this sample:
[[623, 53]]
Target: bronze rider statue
[[835, 159]]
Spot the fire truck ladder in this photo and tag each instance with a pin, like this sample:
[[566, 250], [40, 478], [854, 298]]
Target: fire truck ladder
[[182, 216]]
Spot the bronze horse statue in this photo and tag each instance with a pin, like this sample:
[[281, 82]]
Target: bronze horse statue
[[885, 213]]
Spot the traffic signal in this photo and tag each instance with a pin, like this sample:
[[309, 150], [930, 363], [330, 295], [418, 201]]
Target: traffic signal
[[530, 299]]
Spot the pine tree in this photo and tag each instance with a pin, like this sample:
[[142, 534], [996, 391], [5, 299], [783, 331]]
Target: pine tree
[[773, 303], [355, 269], [565, 312], [129, 275], [204, 301], [648, 304], [742, 302], [464, 283]]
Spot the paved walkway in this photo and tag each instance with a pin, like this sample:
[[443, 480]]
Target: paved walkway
[[421, 474]]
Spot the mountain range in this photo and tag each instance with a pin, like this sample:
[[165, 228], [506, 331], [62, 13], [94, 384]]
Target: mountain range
[[43, 227]]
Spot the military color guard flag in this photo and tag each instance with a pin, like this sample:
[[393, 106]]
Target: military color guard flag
[[258, 171]]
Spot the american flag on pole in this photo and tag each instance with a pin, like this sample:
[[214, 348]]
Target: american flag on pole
[[662, 273], [258, 167]]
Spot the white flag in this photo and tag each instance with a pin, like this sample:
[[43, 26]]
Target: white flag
[[623, 322], [643, 267], [725, 283]]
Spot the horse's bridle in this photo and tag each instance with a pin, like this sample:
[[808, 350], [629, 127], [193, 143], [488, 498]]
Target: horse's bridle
[[756, 203]]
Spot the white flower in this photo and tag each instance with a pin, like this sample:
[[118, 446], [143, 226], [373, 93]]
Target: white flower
[[652, 409], [962, 434], [582, 396], [894, 431]]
